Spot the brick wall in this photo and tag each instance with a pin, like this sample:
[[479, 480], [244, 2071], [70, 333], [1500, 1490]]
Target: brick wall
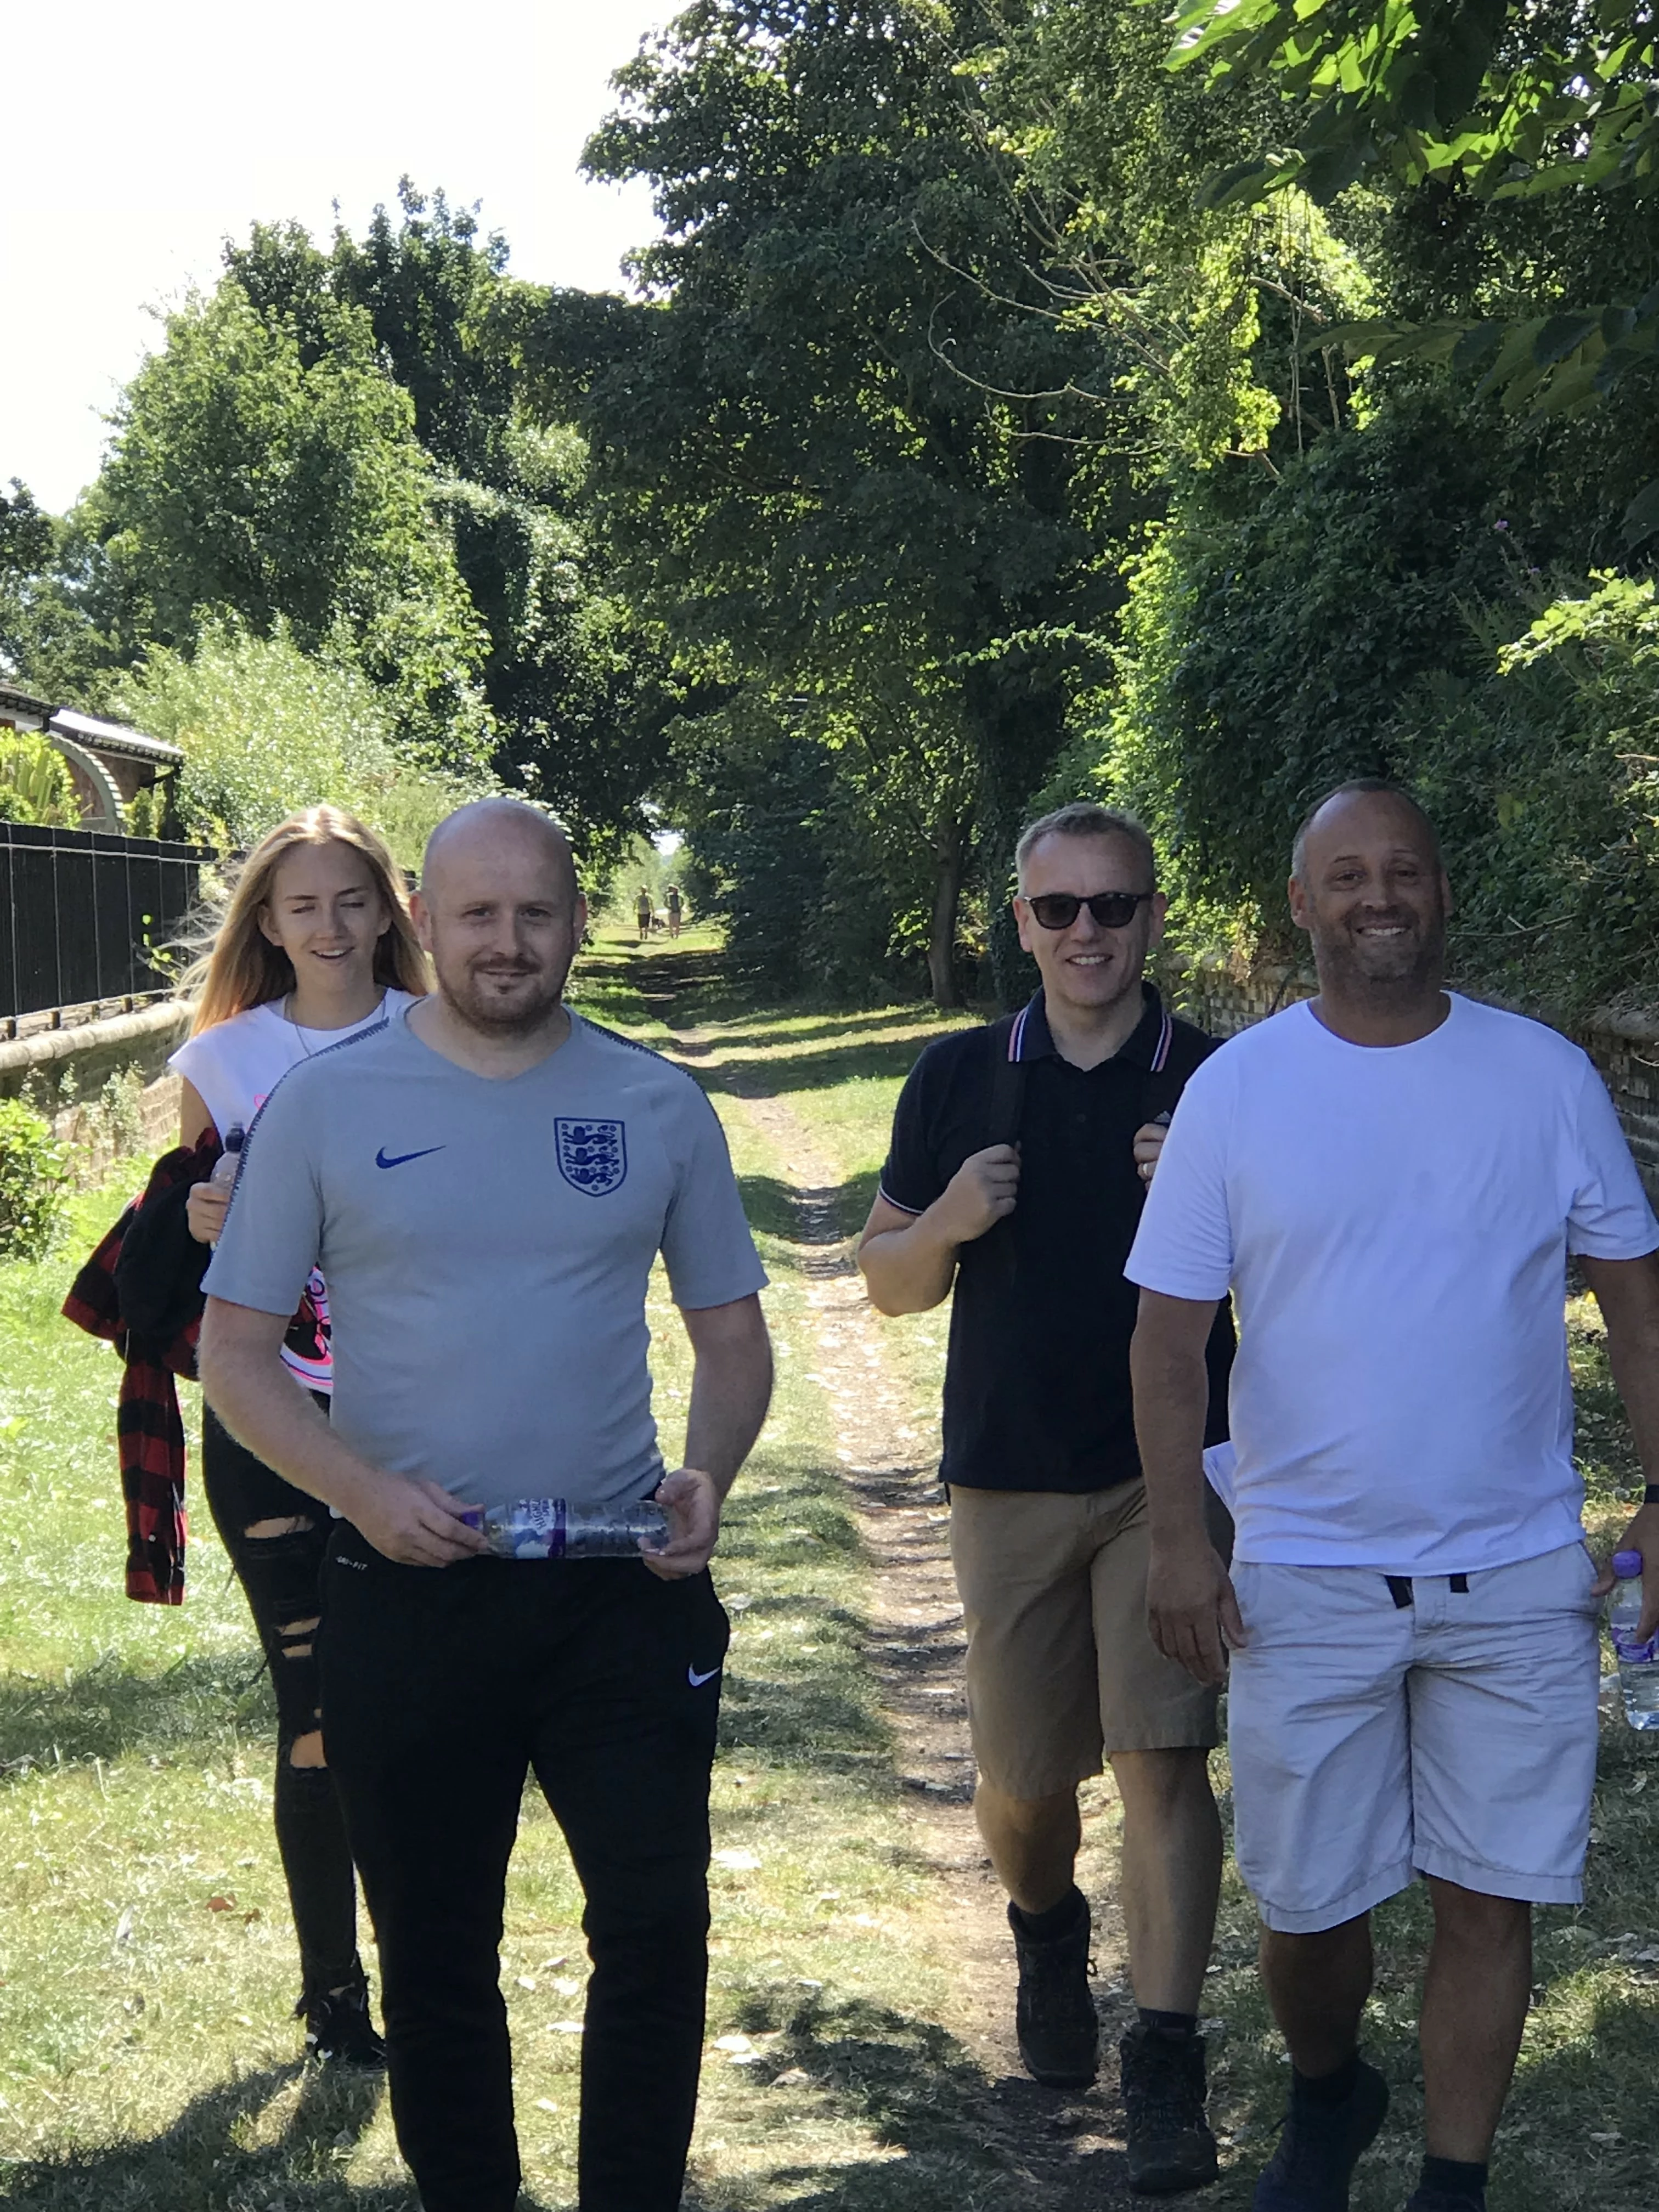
[[1624, 1047], [64, 1064], [1626, 1050], [96, 1144]]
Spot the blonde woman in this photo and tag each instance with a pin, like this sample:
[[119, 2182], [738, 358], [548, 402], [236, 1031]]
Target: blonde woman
[[315, 947]]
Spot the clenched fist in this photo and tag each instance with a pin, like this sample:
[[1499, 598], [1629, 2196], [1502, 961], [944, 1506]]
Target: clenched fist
[[981, 1193]]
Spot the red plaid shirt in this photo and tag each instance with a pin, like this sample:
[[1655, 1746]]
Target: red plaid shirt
[[149, 1432]]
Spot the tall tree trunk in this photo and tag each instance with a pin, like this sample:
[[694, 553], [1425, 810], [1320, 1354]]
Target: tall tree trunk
[[942, 933], [1015, 721]]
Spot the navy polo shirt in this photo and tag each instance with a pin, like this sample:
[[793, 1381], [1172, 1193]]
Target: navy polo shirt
[[1036, 1386]]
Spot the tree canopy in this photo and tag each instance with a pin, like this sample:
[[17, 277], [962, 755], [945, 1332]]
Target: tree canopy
[[1010, 401]]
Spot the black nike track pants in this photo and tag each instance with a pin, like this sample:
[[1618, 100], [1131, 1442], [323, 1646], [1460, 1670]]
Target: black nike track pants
[[442, 1688]]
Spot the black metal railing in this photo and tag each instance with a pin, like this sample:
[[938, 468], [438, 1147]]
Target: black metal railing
[[82, 913]]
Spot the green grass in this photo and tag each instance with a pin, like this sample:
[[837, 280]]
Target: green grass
[[147, 1964]]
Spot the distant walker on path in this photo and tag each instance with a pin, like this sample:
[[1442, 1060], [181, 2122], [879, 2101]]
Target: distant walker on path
[[486, 1181], [1389, 1180], [1016, 1170]]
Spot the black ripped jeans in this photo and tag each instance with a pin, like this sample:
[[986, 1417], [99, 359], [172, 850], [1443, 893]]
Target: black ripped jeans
[[445, 1686], [281, 1579]]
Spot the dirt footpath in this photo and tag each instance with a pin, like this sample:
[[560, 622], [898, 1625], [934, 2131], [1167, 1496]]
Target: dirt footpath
[[1069, 2148]]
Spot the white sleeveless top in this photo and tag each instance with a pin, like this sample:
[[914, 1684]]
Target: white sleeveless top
[[233, 1067]]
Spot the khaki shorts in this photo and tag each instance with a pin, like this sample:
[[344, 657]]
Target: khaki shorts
[[1061, 1668], [1454, 1735]]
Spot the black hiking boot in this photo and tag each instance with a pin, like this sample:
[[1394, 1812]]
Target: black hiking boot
[[1320, 2147], [1054, 2017], [338, 2029], [1170, 2143]]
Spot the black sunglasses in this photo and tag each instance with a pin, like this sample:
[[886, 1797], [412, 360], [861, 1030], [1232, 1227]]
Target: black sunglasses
[[1111, 909]]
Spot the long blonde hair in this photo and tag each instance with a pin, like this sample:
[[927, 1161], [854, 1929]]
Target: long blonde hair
[[238, 966]]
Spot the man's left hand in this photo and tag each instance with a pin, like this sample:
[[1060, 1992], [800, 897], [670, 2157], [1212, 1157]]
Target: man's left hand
[[1149, 1143], [1641, 1535], [692, 1502]]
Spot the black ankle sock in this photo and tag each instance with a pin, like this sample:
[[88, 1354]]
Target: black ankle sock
[[1326, 2088], [1452, 2177], [1177, 2025], [1058, 1920]]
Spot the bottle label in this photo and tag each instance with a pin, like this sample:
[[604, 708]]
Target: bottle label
[[529, 1528], [1630, 1653]]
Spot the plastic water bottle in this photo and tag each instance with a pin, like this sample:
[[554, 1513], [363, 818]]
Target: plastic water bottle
[[225, 1167], [1638, 1664], [561, 1528]]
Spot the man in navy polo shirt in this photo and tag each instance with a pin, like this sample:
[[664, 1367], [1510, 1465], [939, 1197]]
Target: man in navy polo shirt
[[1017, 1172]]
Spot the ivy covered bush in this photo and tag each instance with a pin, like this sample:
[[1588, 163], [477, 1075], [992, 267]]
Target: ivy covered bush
[[1544, 777], [1342, 623]]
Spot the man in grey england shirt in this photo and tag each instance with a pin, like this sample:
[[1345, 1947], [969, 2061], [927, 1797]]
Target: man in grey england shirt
[[486, 1184]]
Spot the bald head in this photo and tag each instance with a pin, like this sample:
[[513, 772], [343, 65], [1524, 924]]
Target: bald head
[[477, 834], [1365, 799], [500, 913]]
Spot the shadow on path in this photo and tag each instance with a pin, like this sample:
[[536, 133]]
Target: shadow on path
[[950, 2135], [203, 2163], [110, 1709]]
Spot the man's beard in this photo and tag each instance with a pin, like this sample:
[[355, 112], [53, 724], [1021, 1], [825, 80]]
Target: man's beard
[[1403, 968], [472, 1002]]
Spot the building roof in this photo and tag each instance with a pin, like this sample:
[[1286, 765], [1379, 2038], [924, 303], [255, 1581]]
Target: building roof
[[20, 702], [101, 737]]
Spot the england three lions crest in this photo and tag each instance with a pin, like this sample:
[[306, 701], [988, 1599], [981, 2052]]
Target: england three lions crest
[[592, 1156]]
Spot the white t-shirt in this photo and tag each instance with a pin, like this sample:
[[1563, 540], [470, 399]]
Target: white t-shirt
[[233, 1067], [1394, 1223]]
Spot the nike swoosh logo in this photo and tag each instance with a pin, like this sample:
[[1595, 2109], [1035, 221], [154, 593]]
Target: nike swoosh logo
[[696, 1681], [398, 1159]]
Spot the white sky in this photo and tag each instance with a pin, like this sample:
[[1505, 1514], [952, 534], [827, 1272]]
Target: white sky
[[137, 138]]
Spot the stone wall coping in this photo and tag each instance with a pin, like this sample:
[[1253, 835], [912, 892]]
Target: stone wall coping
[[47, 1046]]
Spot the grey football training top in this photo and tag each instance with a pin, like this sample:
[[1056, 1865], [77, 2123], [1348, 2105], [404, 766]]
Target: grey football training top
[[487, 1245]]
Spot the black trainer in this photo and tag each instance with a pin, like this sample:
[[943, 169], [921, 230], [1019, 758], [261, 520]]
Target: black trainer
[[1054, 2017], [338, 2029], [1320, 2147], [1170, 2143]]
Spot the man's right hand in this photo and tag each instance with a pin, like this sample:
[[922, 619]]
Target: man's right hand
[[1191, 1610], [415, 1522], [981, 1193], [204, 1210]]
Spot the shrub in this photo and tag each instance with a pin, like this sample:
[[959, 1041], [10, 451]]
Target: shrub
[[35, 785], [147, 812], [266, 730], [33, 1177], [119, 1108]]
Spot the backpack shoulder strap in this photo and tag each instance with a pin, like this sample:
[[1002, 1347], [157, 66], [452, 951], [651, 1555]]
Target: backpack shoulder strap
[[1007, 1082], [1181, 1048]]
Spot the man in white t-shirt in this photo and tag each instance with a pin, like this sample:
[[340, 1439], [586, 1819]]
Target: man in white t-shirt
[[1389, 1179]]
